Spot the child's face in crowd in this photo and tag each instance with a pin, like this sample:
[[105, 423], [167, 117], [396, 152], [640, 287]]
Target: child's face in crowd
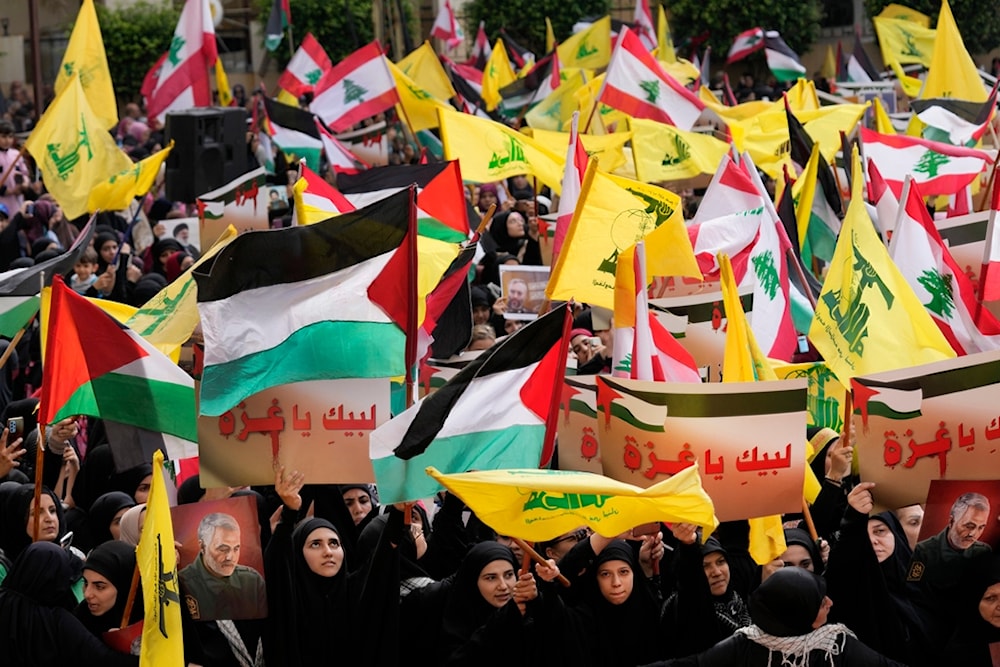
[[84, 270]]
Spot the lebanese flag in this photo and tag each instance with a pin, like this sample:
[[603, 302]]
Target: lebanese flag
[[644, 349], [642, 23], [359, 87], [989, 277], [636, 84], [182, 80], [306, 67], [498, 412], [481, 49], [572, 182], [938, 168], [886, 204], [98, 367], [446, 28], [341, 159], [946, 292], [745, 43]]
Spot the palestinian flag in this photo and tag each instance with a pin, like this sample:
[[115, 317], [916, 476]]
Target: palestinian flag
[[279, 19], [885, 400], [316, 200], [938, 168], [340, 157], [519, 55], [447, 324], [481, 49], [954, 121], [781, 60], [19, 288], [328, 301], [96, 366], [492, 415], [294, 130]]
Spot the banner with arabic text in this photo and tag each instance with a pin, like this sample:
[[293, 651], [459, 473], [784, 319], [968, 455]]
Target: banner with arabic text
[[748, 439], [241, 203], [919, 424], [579, 448], [320, 428]]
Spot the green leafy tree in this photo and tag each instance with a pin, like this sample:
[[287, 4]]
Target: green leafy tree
[[134, 39], [980, 27], [798, 22], [524, 20]]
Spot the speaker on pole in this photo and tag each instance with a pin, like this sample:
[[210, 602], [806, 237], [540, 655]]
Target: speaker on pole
[[210, 150]]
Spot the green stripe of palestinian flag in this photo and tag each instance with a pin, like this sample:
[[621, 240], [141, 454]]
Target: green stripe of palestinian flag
[[114, 395], [709, 405], [15, 311]]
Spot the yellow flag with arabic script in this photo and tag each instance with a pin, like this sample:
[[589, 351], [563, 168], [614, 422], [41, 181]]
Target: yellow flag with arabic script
[[85, 57], [170, 317], [607, 149], [116, 193], [497, 151], [539, 505], [665, 153], [868, 320], [74, 150], [556, 110], [162, 641]]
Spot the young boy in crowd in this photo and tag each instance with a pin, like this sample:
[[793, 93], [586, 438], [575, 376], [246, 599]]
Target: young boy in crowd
[[84, 271]]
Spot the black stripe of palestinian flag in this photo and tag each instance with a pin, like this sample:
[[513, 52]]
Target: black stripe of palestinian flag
[[491, 415], [294, 130]]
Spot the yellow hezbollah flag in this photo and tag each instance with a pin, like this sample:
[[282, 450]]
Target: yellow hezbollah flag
[[894, 11], [498, 73], [733, 114], [868, 319], [170, 317], [74, 150], [683, 70], [116, 193], [904, 42], [419, 105], [829, 67], [883, 124], [538, 505], [665, 44], [664, 153], [911, 85], [162, 643], [802, 96], [497, 151], [612, 214], [952, 73], [590, 48], [550, 36], [600, 115], [222, 84], [607, 149], [424, 68], [86, 58], [553, 112], [744, 362]]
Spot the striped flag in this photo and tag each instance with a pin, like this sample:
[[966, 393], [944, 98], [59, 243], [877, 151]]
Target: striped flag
[[745, 43], [498, 412], [989, 276], [316, 200], [886, 204], [294, 131], [359, 87], [636, 84], [481, 49], [938, 281], [781, 60], [446, 28], [572, 182], [181, 78], [340, 157], [642, 23], [306, 67]]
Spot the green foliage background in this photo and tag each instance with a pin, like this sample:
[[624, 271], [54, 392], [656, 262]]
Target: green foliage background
[[524, 20], [798, 22], [134, 38], [328, 21], [978, 22]]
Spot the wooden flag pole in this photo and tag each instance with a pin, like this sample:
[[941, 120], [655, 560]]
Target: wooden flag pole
[[127, 614], [13, 343], [809, 521], [537, 557], [485, 222], [10, 170]]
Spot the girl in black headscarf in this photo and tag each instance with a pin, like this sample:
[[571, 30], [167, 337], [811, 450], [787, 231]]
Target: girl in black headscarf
[[161, 251], [314, 601], [979, 626], [104, 516], [37, 628], [513, 235], [134, 481], [107, 576]]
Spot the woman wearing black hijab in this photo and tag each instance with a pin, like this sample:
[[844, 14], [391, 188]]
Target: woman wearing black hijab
[[866, 574], [107, 576], [314, 601], [37, 628], [979, 626], [103, 517], [161, 251], [789, 612], [17, 527], [515, 236]]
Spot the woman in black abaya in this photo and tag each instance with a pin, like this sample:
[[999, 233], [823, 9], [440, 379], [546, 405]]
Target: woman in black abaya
[[107, 577]]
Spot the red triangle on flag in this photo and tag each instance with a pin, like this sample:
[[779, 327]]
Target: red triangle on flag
[[443, 198]]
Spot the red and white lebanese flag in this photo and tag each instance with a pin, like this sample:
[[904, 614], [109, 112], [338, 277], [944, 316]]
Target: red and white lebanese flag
[[306, 67], [359, 87], [572, 182], [989, 277], [644, 349], [642, 23], [728, 221], [886, 204], [341, 159], [446, 28], [481, 49], [938, 168], [745, 43], [946, 292], [636, 84], [181, 80]]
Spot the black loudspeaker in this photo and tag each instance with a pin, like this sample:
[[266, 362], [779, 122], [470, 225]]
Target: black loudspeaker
[[210, 150]]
